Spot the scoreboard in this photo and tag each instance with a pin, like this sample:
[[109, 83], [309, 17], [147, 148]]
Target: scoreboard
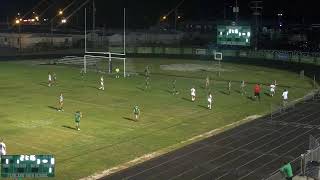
[[27, 166], [233, 35]]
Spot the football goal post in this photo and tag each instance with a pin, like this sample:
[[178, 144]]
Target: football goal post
[[104, 60], [104, 63]]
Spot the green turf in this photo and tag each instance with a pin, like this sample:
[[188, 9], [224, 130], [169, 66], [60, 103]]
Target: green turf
[[30, 124]]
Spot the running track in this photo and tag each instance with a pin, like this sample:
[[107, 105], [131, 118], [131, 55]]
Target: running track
[[250, 151]]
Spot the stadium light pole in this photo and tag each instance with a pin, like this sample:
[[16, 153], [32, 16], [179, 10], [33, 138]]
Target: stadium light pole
[[124, 42], [85, 40]]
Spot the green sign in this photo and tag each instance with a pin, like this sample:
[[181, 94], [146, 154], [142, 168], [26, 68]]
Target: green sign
[[27, 166], [233, 35]]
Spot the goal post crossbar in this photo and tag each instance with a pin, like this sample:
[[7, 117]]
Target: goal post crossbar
[[106, 53], [104, 57]]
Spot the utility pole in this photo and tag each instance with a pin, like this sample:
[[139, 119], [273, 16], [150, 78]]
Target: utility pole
[[175, 18], [256, 6], [236, 11], [93, 23], [93, 15]]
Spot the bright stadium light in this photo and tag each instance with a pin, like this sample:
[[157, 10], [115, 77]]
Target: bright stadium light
[[17, 21], [248, 34], [220, 33], [60, 12], [236, 31], [64, 20], [164, 17]]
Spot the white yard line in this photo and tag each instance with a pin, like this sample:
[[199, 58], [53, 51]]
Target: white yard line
[[163, 151]]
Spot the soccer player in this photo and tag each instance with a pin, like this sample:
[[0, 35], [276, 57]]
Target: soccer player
[[82, 73], [229, 87], [101, 83], [272, 90], [210, 100], [54, 77], [286, 169], [49, 79], [77, 118], [285, 97], [136, 112], [257, 90], [242, 87], [174, 90], [146, 72], [207, 82], [147, 82], [61, 103], [193, 94], [117, 72], [3, 148]]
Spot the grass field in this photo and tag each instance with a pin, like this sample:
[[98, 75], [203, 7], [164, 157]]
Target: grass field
[[30, 124]]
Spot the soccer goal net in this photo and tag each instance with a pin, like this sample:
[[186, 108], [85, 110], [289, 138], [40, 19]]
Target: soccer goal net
[[104, 64]]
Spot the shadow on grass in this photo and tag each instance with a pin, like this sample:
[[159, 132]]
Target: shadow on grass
[[44, 84], [54, 108], [140, 88], [186, 99], [69, 127], [129, 119], [202, 106], [267, 94], [251, 98], [93, 87], [225, 93]]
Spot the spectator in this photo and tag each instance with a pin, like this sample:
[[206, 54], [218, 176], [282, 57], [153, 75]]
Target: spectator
[[3, 149], [286, 169]]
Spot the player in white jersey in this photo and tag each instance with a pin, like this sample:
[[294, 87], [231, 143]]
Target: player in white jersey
[[61, 102], [49, 79], [193, 94], [210, 101], [3, 148], [117, 72], [101, 83], [272, 90], [285, 97]]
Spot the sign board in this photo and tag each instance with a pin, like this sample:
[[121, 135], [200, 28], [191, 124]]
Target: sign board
[[233, 35], [27, 166], [218, 56]]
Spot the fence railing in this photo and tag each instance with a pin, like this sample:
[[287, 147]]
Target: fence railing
[[307, 164]]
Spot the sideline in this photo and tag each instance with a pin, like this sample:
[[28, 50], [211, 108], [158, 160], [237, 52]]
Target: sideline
[[163, 151]]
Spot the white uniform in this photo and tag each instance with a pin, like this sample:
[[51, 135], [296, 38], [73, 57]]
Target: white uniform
[[210, 98], [193, 92], [209, 101], [101, 83], [272, 88], [61, 98], [3, 150], [285, 95], [49, 77]]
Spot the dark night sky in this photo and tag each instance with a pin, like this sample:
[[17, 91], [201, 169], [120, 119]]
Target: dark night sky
[[147, 12]]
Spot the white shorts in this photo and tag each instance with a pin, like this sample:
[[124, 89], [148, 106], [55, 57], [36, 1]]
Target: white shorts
[[272, 90], [193, 94]]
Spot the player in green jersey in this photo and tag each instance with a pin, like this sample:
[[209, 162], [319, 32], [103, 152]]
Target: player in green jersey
[[77, 118]]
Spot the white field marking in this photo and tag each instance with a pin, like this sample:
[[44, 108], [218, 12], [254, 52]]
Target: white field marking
[[30, 146], [160, 152]]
